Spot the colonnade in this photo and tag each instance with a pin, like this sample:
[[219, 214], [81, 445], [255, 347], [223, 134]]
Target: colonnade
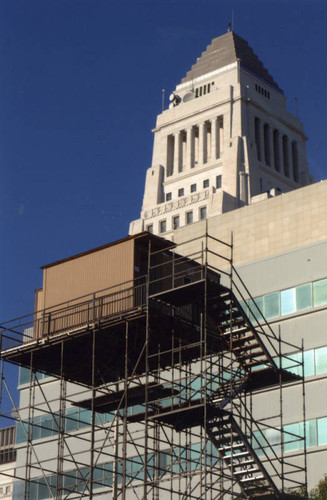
[[276, 150], [195, 145]]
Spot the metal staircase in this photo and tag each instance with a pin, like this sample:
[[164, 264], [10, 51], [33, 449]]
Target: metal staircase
[[239, 334], [239, 457]]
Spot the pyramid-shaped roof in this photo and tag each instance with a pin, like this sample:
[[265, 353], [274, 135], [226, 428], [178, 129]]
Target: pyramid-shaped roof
[[224, 50]]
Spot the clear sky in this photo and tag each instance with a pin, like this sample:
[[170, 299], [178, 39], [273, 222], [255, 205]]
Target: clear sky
[[80, 88]]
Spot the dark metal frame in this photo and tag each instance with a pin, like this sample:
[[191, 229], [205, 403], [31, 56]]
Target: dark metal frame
[[187, 372]]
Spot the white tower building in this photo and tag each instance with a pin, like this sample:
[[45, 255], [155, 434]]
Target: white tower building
[[227, 140]]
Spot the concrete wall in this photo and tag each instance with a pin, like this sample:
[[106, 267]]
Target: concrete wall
[[276, 225]]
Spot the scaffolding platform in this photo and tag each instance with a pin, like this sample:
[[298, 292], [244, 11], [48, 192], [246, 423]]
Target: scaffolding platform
[[170, 366], [130, 396]]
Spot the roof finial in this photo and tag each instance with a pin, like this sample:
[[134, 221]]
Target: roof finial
[[231, 23]]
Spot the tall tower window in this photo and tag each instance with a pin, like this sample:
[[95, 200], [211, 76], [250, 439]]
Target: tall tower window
[[266, 135], [195, 147], [149, 228], [170, 154], [218, 181], [285, 156], [182, 151], [220, 136], [257, 136], [276, 150], [295, 161], [181, 192], [168, 196], [205, 183], [193, 188], [207, 142]]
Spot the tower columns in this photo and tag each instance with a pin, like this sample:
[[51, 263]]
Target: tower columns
[[290, 155], [189, 147], [176, 152], [201, 143], [214, 137], [271, 147], [262, 141]]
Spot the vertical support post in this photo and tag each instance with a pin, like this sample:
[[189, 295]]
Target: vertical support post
[[29, 431], [92, 412], [156, 443], [281, 409], [304, 423], [180, 444], [203, 357], [172, 402], [61, 426], [231, 355], [115, 468], [125, 414], [146, 422], [202, 389]]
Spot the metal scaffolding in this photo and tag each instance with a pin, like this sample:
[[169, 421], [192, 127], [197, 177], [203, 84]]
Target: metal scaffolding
[[152, 389]]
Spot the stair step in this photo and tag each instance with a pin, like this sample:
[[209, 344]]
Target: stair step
[[235, 455], [249, 353], [232, 447], [241, 340], [243, 463], [246, 347], [248, 479], [239, 329], [252, 355], [246, 471], [227, 311], [257, 363], [236, 331], [225, 434]]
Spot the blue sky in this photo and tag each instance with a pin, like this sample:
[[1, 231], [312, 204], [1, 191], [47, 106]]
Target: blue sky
[[80, 89]]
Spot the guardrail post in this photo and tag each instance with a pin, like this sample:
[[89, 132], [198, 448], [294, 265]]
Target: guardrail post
[[49, 321], [43, 322], [93, 307]]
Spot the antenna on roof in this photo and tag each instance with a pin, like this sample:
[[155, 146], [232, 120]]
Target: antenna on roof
[[229, 27], [163, 99], [232, 21]]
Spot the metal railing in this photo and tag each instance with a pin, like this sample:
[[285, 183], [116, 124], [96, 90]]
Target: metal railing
[[75, 314]]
